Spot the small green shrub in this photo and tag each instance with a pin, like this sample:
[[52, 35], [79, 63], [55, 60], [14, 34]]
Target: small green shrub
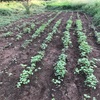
[[60, 69], [19, 36], [85, 48]]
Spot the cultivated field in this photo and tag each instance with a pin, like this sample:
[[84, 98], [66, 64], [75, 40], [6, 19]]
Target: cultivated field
[[50, 56]]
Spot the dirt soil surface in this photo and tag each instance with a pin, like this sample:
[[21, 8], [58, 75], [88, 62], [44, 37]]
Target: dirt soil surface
[[41, 86]]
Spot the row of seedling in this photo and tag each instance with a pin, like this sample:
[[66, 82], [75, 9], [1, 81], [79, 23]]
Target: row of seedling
[[60, 66], [86, 66], [17, 28], [27, 28], [29, 70], [38, 32], [25, 31]]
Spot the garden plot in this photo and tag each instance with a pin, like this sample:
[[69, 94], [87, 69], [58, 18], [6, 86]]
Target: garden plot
[[51, 56]]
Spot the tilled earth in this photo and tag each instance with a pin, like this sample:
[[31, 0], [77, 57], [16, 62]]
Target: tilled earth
[[41, 86]]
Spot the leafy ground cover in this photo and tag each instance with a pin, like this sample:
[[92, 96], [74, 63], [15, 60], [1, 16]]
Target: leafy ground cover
[[61, 60]]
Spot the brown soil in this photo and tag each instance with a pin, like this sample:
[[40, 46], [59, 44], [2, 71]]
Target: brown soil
[[41, 86]]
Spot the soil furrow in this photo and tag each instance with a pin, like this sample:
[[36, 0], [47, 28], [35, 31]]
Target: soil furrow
[[59, 92]]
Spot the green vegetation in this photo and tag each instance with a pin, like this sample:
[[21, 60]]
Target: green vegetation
[[97, 34], [26, 30], [24, 76], [39, 31], [5, 12], [86, 96], [60, 69], [90, 7], [66, 39], [19, 36], [10, 11], [32, 26], [13, 10], [7, 34], [26, 43], [93, 9], [63, 5], [86, 66]]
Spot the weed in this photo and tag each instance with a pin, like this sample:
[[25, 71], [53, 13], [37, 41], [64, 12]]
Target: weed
[[44, 46], [86, 96], [32, 26], [26, 42], [19, 36], [26, 30], [7, 34]]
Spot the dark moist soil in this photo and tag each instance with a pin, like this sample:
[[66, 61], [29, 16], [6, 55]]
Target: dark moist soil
[[41, 87]]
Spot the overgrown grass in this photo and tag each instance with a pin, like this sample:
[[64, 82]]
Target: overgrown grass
[[12, 11], [90, 7], [93, 9], [64, 5], [5, 20]]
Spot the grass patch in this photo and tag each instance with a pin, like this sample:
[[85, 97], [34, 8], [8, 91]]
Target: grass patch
[[93, 9], [12, 11], [63, 5], [5, 12], [5, 20]]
